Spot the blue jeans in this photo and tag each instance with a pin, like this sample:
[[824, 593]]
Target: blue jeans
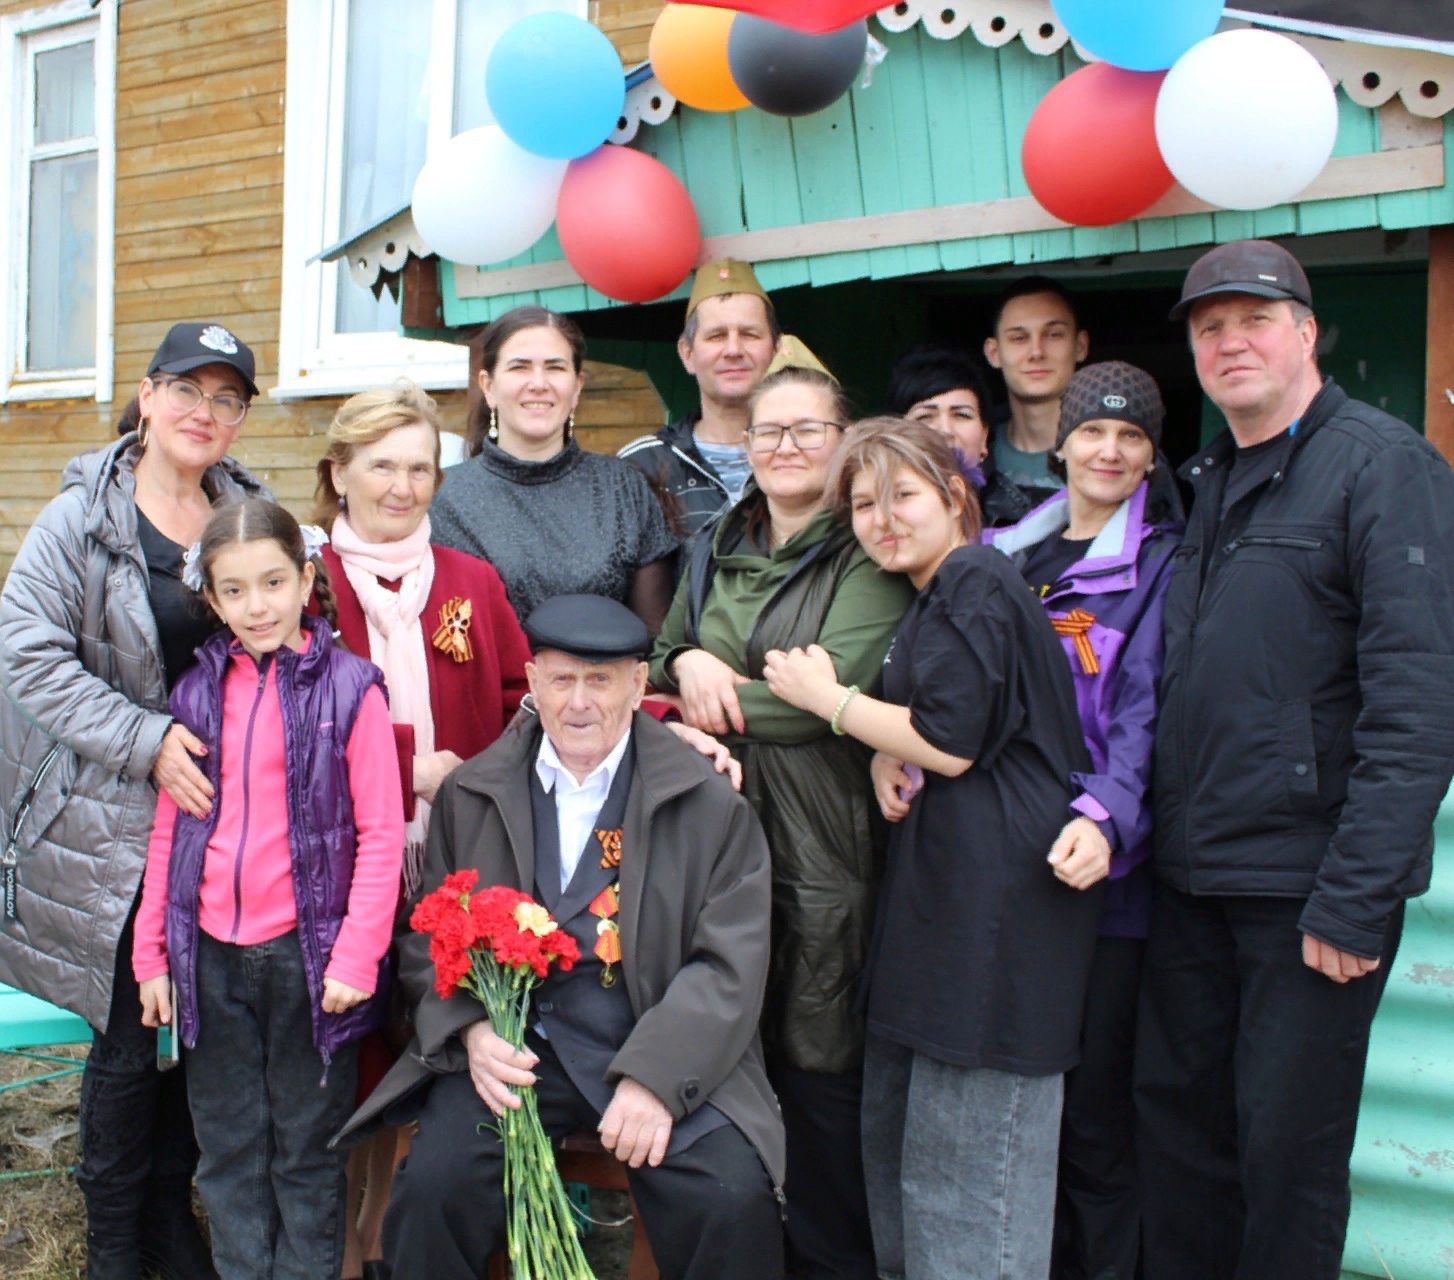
[[264, 1109], [960, 1164]]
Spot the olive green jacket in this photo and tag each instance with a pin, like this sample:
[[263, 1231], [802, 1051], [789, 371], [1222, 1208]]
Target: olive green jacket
[[811, 788]]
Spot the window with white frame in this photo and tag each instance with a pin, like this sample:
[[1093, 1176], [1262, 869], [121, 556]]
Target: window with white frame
[[58, 116], [372, 85]]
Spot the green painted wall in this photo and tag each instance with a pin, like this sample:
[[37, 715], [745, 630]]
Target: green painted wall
[[940, 124]]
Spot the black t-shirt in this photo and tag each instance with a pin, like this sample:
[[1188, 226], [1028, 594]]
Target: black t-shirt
[[1047, 562], [1251, 467], [183, 621], [980, 955]]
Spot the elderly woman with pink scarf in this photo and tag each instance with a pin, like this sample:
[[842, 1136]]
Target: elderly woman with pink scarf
[[438, 624]]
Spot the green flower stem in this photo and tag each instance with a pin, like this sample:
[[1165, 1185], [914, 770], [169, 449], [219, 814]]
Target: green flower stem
[[540, 1228]]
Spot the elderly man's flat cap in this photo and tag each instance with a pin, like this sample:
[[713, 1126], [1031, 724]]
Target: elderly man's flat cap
[[591, 628]]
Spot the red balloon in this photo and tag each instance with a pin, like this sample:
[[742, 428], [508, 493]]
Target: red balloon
[[816, 17], [1090, 155], [627, 224]]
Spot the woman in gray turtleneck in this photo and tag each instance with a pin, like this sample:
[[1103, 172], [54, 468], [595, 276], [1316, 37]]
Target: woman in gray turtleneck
[[552, 518]]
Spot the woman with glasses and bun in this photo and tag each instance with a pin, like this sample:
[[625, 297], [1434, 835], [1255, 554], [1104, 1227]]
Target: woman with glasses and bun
[[777, 571], [95, 629]]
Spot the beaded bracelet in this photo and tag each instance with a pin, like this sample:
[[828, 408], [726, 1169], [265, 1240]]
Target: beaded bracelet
[[848, 696]]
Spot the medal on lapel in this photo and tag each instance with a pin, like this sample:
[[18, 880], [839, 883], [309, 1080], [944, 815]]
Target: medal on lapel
[[605, 907], [610, 848], [453, 633]]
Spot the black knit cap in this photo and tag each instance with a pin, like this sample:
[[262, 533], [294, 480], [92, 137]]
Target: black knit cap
[[1112, 389], [591, 628]]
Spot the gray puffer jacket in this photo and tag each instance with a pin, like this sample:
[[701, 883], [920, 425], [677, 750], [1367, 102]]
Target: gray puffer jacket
[[81, 670]]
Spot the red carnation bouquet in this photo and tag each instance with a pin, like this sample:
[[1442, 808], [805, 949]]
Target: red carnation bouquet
[[498, 945]]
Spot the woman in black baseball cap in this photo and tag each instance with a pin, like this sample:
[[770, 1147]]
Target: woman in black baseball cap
[[95, 628]]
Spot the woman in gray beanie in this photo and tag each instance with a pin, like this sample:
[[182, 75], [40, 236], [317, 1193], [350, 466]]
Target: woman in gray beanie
[[1098, 554]]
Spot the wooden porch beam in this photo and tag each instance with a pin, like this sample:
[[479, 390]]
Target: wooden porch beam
[[1439, 397], [1376, 173]]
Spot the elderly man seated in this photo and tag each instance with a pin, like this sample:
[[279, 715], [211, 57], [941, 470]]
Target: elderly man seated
[[663, 1063]]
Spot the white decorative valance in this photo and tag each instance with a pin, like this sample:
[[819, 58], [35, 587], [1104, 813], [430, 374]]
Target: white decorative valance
[[1372, 75]]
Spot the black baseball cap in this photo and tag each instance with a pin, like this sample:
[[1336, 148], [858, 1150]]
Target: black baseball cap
[[1258, 267], [191, 346], [591, 628]]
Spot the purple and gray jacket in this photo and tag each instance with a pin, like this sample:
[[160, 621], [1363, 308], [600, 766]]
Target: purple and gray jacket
[[320, 692], [1122, 583]]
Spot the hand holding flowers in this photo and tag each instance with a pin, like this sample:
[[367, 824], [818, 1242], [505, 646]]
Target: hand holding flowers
[[497, 945]]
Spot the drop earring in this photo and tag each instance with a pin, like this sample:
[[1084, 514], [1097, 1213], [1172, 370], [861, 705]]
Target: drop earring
[[143, 430], [494, 431], [570, 426], [343, 502]]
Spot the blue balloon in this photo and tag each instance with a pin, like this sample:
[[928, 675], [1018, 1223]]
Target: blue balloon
[[1139, 35], [555, 85]]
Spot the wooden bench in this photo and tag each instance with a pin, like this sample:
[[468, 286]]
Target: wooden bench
[[582, 1158]]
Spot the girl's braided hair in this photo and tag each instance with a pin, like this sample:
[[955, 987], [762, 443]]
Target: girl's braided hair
[[255, 520]]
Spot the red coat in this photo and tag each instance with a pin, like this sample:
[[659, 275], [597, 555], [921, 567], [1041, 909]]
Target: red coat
[[472, 701]]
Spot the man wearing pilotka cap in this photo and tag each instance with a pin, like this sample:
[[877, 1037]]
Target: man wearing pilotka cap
[[699, 463], [1306, 740]]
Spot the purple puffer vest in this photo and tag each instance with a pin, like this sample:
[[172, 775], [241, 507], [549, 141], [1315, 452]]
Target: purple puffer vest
[[320, 693]]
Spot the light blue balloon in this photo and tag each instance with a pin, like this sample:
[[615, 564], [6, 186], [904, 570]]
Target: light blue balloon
[[555, 85], [1139, 35]]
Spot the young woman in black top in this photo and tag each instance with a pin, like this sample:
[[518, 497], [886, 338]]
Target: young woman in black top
[[976, 979]]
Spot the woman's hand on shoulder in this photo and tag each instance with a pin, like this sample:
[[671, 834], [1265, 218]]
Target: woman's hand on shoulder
[[721, 758], [432, 769], [709, 692], [176, 773], [891, 782], [339, 997], [1081, 854], [156, 1002], [804, 678]]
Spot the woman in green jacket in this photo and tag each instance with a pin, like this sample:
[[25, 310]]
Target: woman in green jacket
[[778, 571]]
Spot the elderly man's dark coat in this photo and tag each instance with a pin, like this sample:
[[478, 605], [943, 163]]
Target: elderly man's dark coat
[[695, 918]]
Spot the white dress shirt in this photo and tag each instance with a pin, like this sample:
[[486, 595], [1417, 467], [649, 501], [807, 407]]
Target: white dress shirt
[[577, 804]]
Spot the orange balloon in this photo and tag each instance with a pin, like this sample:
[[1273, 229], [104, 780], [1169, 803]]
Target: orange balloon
[[689, 56]]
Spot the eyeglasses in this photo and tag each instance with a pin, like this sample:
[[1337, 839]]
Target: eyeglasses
[[765, 437], [183, 397]]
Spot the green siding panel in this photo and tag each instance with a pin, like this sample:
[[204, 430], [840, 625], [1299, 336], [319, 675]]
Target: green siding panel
[[830, 184], [1403, 1164], [941, 124]]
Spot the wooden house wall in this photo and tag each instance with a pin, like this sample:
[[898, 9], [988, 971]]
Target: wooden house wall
[[940, 124], [199, 225]]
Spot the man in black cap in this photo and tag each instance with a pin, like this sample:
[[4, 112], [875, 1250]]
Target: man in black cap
[[660, 872], [1306, 740]]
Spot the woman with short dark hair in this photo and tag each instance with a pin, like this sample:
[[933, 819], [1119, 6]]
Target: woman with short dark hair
[[942, 388], [552, 518]]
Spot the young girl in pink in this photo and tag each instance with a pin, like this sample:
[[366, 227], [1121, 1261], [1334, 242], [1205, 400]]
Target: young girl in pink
[[268, 907]]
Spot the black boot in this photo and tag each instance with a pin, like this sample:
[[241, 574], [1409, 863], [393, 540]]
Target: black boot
[[108, 1258], [172, 1246]]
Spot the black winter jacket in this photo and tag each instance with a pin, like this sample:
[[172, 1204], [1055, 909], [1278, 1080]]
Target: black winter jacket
[[1306, 736], [672, 462]]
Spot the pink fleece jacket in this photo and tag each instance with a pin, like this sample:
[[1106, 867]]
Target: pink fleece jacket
[[247, 879]]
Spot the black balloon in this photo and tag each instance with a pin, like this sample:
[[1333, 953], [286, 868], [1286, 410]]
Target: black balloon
[[790, 73]]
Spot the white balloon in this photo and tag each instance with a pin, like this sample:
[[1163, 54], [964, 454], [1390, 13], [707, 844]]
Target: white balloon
[[1246, 119], [482, 199]]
